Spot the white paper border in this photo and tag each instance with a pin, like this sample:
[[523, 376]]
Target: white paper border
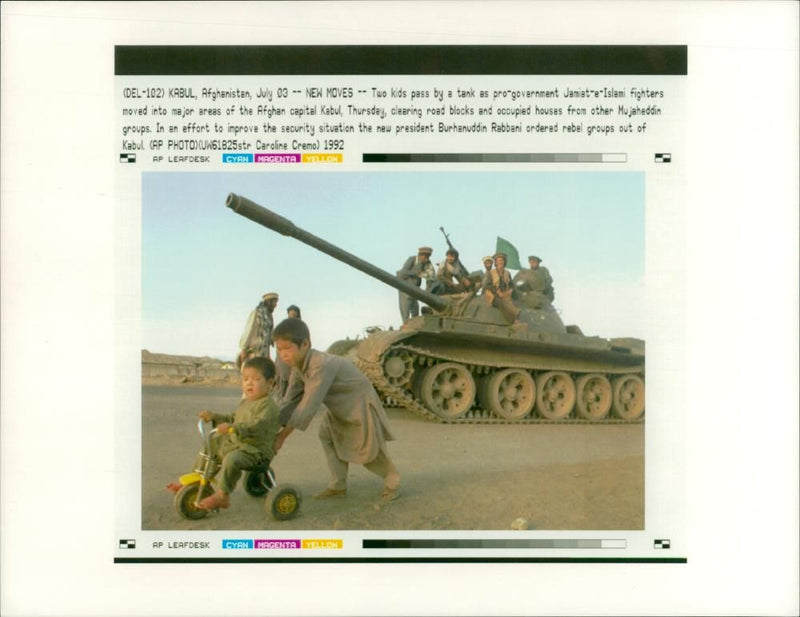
[[57, 320]]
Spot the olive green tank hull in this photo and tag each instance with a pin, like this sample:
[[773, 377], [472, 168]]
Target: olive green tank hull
[[437, 371]]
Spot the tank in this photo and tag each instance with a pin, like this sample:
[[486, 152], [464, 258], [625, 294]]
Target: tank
[[461, 361]]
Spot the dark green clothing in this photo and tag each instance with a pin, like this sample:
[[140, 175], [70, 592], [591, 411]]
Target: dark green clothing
[[233, 463], [255, 427]]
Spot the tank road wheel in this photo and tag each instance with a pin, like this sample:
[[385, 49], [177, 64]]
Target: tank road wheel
[[555, 395], [593, 396], [447, 389], [185, 501], [628, 401], [509, 393], [398, 366]]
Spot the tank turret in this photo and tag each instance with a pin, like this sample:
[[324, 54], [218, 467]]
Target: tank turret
[[463, 361]]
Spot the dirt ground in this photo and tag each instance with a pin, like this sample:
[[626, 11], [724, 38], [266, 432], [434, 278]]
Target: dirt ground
[[454, 476]]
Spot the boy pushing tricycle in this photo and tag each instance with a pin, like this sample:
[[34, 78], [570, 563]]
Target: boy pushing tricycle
[[241, 441]]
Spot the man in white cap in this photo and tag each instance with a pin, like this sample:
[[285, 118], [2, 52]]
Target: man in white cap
[[488, 262], [257, 336]]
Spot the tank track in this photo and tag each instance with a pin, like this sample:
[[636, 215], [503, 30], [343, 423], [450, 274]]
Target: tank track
[[402, 398]]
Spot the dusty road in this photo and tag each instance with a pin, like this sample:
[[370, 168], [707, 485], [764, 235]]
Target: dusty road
[[454, 477]]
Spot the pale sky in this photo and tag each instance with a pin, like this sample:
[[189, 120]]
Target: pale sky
[[204, 267]]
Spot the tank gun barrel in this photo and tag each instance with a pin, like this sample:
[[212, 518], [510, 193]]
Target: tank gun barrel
[[267, 218]]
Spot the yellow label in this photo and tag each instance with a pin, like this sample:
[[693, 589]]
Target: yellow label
[[334, 543], [323, 157]]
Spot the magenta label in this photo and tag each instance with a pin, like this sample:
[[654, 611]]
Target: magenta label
[[279, 543], [277, 157]]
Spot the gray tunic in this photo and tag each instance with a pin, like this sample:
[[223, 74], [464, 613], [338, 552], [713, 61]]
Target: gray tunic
[[413, 271], [358, 424]]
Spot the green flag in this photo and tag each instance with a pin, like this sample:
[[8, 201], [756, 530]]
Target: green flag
[[504, 246]]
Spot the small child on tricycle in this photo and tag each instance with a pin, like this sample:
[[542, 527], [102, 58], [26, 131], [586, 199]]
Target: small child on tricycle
[[243, 440]]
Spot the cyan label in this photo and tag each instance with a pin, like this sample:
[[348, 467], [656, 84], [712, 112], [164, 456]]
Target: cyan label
[[237, 544], [237, 157]]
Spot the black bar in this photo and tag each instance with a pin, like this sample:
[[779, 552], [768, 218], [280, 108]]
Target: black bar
[[400, 60], [402, 560], [486, 157]]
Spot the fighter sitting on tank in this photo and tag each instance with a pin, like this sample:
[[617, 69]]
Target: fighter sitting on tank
[[451, 277], [497, 289], [534, 287]]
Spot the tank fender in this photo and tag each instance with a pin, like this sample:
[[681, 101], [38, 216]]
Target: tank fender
[[375, 345]]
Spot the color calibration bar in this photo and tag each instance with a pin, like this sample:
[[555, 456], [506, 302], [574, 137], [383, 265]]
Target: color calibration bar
[[507, 157], [502, 544]]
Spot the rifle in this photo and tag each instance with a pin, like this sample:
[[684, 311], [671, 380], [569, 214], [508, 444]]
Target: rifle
[[460, 269], [447, 238]]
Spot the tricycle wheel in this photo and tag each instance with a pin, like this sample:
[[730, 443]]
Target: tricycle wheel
[[186, 498], [259, 483], [283, 502]]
